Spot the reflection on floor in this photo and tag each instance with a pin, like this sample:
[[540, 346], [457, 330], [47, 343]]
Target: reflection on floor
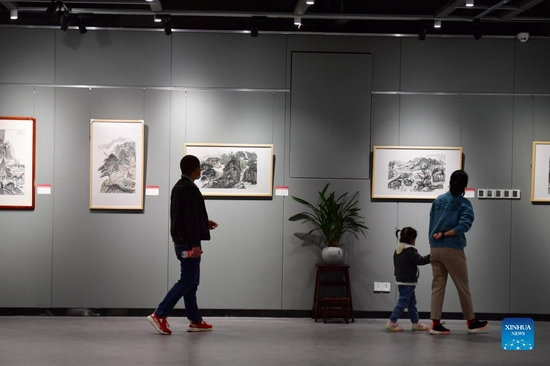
[[121, 341]]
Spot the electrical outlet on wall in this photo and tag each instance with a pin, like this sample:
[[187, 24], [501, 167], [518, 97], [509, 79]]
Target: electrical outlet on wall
[[382, 287]]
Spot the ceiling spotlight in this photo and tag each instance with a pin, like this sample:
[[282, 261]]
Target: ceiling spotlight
[[469, 3], [310, 2], [298, 21], [476, 30], [61, 9], [50, 10], [158, 19], [14, 14], [422, 33], [167, 27], [254, 29], [437, 23], [65, 21], [81, 27]]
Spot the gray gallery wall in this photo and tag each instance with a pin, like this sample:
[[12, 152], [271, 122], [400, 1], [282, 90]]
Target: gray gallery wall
[[491, 97]]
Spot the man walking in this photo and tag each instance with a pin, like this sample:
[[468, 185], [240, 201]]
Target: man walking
[[189, 224]]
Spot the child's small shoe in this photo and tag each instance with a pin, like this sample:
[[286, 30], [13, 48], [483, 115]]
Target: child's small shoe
[[419, 327], [393, 327]]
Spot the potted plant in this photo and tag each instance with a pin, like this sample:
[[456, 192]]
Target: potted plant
[[333, 217]]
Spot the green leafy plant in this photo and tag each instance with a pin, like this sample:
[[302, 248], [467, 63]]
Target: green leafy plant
[[332, 216]]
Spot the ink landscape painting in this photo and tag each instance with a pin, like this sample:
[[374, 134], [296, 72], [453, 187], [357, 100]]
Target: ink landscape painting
[[116, 167], [12, 162], [233, 170], [17, 153], [413, 172]]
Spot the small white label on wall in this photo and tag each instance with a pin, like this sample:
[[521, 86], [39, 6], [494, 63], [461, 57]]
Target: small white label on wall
[[281, 191], [470, 192], [44, 189], [152, 190]]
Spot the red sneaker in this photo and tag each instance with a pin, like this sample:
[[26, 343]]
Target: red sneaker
[[199, 327], [160, 324]]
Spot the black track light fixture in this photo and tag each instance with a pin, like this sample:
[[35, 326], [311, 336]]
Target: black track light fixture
[[50, 10], [255, 23], [65, 21], [167, 27], [81, 26], [254, 29], [476, 29], [422, 33]]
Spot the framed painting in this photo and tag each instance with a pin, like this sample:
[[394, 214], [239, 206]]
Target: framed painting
[[17, 162], [116, 164], [540, 172], [234, 170], [410, 172]]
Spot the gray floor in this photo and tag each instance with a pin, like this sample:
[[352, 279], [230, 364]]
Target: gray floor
[[120, 341]]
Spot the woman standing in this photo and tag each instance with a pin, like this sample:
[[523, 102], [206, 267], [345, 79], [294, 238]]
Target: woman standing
[[451, 216]]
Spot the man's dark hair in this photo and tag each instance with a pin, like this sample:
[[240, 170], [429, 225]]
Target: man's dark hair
[[459, 181], [189, 163]]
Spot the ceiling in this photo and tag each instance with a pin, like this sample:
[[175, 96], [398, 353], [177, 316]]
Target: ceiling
[[407, 17]]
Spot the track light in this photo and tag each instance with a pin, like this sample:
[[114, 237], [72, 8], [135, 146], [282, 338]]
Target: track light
[[61, 9], [65, 21], [310, 2], [437, 23], [14, 14], [254, 29], [50, 10], [158, 19], [81, 27], [476, 30], [469, 3], [298, 21], [422, 33], [167, 27]]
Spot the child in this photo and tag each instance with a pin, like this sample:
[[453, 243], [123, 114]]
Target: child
[[406, 261]]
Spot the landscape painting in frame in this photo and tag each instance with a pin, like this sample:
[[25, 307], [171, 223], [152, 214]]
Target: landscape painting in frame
[[409, 172], [17, 162], [116, 164], [540, 172], [234, 170]]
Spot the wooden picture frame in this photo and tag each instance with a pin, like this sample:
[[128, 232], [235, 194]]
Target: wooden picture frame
[[234, 170], [413, 172], [17, 163], [116, 164], [540, 172]]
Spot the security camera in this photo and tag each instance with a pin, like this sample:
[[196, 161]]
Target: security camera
[[523, 36]]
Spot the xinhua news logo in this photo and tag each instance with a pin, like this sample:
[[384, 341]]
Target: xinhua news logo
[[518, 334]]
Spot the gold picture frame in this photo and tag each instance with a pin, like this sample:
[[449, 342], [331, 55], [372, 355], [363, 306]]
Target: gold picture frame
[[540, 172]]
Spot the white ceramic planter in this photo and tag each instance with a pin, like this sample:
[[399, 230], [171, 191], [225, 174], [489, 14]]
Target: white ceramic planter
[[332, 255]]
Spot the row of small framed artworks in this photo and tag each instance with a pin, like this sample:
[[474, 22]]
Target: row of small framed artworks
[[117, 165], [227, 170]]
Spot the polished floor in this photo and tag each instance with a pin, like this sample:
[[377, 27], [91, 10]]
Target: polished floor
[[235, 341]]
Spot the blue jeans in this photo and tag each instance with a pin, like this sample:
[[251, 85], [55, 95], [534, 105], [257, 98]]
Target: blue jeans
[[407, 299], [186, 287]]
